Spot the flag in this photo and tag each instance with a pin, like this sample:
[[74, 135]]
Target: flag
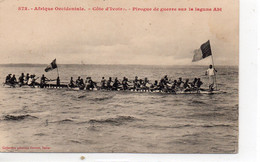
[[52, 66], [203, 52]]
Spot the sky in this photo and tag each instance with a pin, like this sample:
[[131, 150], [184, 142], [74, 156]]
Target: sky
[[126, 37]]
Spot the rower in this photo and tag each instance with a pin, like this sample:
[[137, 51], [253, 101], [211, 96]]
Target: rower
[[174, 86], [32, 80], [198, 84], [154, 86], [161, 84], [89, 84], [109, 81], [180, 83], [81, 82], [166, 80], [8, 78], [136, 83], [193, 83], [78, 81], [13, 79], [21, 79], [71, 84], [103, 83], [29, 82], [125, 84], [211, 72], [186, 85], [116, 84], [43, 81], [27, 78]]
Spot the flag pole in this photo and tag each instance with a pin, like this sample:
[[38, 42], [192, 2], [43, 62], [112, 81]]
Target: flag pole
[[57, 69], [215, 76]]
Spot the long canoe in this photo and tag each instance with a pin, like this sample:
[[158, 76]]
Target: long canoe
[[64, 86]]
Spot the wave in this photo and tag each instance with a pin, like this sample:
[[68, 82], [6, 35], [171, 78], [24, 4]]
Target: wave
[[75, 141], [211, 114], [83, 96], [63, 121], [217, 125], [198, 102], [115, 121], [102, 98], [19, 117], [39, 134], [161, 127]]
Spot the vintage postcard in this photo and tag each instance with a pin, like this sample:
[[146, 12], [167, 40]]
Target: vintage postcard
[[118, 76]]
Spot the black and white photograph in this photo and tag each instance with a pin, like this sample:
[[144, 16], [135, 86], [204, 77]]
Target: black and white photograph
[[119, 76]]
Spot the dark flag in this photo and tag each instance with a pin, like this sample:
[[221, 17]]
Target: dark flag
[[203, 52], [52, 66]]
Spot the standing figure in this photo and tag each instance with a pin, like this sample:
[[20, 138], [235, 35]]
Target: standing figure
[[211, 72], [58, 81]]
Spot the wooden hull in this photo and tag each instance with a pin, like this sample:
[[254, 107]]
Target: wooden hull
[[63, 86]]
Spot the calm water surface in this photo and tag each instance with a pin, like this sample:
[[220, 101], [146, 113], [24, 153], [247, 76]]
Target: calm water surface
[[80, 121]]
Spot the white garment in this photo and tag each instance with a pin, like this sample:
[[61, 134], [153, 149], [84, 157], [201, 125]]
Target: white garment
[[30, 81], [210, 72]]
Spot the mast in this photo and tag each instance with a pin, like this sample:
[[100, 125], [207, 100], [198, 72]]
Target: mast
[[215, 76]]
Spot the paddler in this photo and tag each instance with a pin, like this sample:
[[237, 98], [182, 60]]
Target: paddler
[[32, 80], [43, 81], [21, 79], [27, 78], [8, 78], [186, 85], [154, 86], [198, 84], [125, 84], [71, 84], [109, 82], [136, 83], [145, 84], [89, 84], [103, 83], [116, 84], [193, 83], [78, 81], [13, 80], [180, 83], [174, 86], [29, 82], [211, 72]]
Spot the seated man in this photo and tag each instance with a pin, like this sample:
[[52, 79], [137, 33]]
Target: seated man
[[71, 84], [103, 83], [116, 84], [13, 80], [198, 84], [109, 84], [180, 84], [174, 86], [8, 78], [154, 86], [186, 85], [21, 79], [78, 81], [125, 83]]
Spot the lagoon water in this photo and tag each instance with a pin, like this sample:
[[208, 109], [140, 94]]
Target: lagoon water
[[64, 120]]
